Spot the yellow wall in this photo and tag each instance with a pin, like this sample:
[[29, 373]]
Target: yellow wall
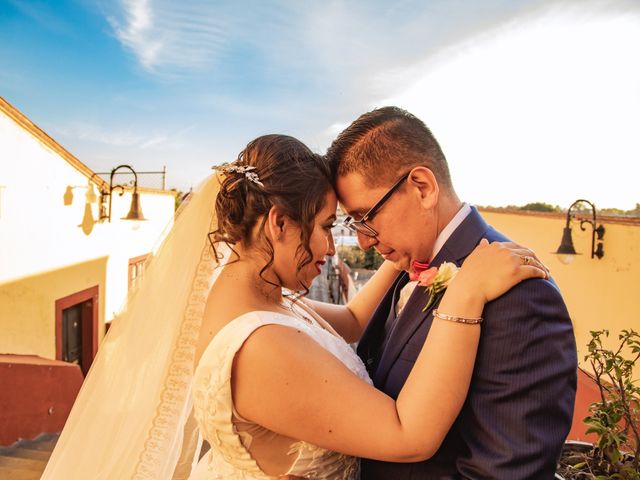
[[28, 322], [51, 242], [601, 293]]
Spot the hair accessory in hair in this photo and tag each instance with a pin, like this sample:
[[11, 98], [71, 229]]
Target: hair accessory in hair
[[246, 170]]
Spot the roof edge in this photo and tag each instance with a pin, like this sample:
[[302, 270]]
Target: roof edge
[[23, 121], [40, 135], [634, 221]]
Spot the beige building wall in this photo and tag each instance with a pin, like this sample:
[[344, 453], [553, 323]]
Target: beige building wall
[[600, 293], [51, 242], [27, 322]]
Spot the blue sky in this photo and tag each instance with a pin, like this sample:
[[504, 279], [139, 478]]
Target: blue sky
[[531, 100]]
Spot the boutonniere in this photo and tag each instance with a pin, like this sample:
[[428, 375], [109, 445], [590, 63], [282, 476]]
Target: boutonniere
[[435, 279]]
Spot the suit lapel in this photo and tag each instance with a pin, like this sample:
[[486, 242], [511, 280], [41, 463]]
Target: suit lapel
[[458, 246], [373, 335]]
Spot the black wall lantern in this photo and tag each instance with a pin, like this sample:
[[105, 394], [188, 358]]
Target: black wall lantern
[[135, 212], [566, 250]]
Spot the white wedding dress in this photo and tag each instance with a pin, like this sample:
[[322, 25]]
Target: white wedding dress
[[244, 450]]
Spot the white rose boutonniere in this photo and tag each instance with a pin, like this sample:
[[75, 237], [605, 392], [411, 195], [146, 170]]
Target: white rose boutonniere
[[436, 280]]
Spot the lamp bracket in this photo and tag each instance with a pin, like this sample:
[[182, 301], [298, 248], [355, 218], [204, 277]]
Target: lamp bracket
[[120, 188], [583, 221], [596, 251]]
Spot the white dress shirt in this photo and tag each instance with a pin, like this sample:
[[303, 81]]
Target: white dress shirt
[[444, 235], [449, 229]]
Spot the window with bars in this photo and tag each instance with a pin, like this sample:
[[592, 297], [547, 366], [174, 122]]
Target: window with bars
[[136, 270]]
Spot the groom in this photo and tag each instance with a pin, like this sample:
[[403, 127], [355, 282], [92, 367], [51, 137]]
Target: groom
[[520, 403]]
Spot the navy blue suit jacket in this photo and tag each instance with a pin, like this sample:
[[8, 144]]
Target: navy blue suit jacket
[[520, 403]]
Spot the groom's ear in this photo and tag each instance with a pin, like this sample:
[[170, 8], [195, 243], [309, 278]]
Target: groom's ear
[[424, 185], [276, 221]]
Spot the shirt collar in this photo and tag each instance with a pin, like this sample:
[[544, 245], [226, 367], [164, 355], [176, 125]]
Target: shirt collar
[[450, 228]]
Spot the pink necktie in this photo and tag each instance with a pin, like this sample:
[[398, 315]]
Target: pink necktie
[[416, 269]]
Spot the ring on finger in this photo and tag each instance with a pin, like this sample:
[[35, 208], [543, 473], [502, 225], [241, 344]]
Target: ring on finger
[[527, 260]]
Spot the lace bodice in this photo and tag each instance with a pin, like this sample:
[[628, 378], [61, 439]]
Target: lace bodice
[[235, 441]]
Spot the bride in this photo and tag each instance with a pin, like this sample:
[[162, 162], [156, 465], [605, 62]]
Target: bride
[[214, 346]]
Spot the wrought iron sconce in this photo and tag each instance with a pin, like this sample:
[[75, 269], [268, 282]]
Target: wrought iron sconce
[[135, 212], [566, 250]]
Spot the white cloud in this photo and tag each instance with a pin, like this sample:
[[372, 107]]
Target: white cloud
[[168, 34], [542, 110], [542, 92], [136, 31], [337, 42], [123, 138]]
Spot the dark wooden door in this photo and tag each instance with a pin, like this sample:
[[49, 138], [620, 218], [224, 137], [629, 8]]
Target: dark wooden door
[[72, 334], [77, 328]]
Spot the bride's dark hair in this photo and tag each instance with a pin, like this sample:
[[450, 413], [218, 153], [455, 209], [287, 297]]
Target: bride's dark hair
[[293, 178]]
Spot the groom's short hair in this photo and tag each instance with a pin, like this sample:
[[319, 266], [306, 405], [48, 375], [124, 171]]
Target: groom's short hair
[[384, 143]]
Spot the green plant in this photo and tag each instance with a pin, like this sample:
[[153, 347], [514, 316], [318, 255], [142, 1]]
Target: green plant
[[355, 257], [615, 419], [372, 259], [540, 207], [352, 256]]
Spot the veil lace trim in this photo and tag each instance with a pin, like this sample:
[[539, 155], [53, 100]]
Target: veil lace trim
[[174, 392]]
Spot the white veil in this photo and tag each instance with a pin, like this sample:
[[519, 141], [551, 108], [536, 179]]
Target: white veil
[[132, 417]]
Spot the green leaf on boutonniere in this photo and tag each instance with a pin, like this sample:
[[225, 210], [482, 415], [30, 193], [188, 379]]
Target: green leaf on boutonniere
[[433, 292], [437, 281]]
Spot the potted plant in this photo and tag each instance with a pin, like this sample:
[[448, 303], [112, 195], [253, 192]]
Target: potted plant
[[614, 419]]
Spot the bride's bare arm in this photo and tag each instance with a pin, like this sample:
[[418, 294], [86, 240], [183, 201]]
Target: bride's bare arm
[[350, 320], [285, 381]]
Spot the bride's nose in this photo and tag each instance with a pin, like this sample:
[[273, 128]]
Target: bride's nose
[[331, 246]]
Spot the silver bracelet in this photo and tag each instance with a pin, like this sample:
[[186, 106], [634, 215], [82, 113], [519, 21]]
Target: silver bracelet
[[451, 318]]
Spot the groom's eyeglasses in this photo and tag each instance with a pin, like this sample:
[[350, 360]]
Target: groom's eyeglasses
[[360, 226]]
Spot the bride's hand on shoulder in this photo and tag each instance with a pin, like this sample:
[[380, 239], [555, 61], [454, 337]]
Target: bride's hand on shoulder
[[494, 268]]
